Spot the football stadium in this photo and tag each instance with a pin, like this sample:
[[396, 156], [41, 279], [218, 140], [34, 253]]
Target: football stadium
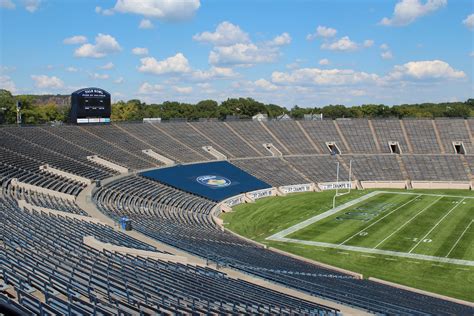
[[239, 217], [237, 157]]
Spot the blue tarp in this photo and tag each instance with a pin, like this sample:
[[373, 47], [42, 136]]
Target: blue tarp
[[215, 181]]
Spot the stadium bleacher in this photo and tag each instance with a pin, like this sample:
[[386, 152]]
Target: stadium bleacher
[[46, 267]]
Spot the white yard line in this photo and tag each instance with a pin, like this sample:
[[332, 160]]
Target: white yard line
[[394, 210], [381, 252], [280, 236], [321, 216], [460, 237], [436, 225], [407, 222], [429, 194]]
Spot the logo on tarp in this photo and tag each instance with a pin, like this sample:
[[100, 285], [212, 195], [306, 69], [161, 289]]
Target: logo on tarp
[[213, 181]]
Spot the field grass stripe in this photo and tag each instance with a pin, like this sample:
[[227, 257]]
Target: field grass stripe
[[436, 225], [459, 239], [407, 222], [396, 209]]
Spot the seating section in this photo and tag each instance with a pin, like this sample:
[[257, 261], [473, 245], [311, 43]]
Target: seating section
[[390, 131], [98, 146], [41, 153], [422, 136], [163, 143], [452, 130], [322, 132], [115, 136], [274, 171], [373, 168], [221, 134], [435, 168], [185, 134], [51, 271], [45, 268], [319, 168], [358, 135], [255, 134], [289, 133]]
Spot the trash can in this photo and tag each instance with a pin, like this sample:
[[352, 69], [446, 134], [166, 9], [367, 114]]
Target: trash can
[[128, 224]]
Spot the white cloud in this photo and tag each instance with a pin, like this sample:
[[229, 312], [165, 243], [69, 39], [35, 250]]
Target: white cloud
[[77, 39], [32, 5], [140, 51], [324, 61], [107, 66], [71, 69], [104, 45], [100, 76], [7, 4], [407, 11], [426, 69], [7, 84], [99, 10], [358, 92], [226, 34], [469, 21], [145, 24], [213, 73], [183, 90], [329, 77], [384, 46], [368, 43], [175, 64], [343, 44], [265, 85], [280, 40], [43, 81], [147, 88], [322, 31], [160, 9], [119, 80], [471, 54], [242, 54], [386, 54]]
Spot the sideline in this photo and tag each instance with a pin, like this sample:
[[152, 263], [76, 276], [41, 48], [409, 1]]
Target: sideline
[[379, 251], [321, 216], [280, 236]]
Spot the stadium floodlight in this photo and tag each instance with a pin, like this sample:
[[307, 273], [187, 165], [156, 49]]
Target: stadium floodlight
[[337, 183]]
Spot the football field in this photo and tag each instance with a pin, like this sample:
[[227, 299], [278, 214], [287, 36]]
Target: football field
[[434, 227]]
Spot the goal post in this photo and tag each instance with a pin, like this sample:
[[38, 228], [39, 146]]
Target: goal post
[[337, 183]]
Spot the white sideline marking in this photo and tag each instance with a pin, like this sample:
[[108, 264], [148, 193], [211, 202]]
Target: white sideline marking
[[430, 194], [321, 216], [456, 243], [408, 221], [280, 236], [436, 225], [396, 209], [380, 252]]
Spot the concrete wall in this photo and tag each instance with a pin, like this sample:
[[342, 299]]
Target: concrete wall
[[384, 184], [460, 185]]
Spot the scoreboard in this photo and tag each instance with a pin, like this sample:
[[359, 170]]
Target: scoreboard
[[90, 105]]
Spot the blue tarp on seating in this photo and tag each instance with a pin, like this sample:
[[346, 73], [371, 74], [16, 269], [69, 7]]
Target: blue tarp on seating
[[215, 181]]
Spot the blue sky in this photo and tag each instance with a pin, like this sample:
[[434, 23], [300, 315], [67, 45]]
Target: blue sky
[[310, 53]]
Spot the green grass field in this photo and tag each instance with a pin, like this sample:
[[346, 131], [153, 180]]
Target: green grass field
[[434, 223]]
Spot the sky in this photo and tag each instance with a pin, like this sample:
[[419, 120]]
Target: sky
[[300, 52]]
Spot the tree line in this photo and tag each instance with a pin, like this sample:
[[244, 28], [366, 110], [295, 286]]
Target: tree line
[[135, 110]]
